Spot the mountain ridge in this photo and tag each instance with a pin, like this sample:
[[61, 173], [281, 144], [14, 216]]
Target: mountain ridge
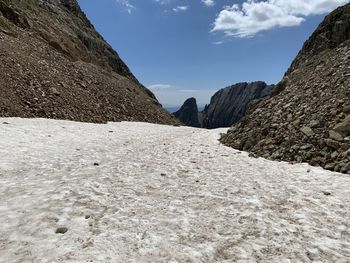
[[227, 105]]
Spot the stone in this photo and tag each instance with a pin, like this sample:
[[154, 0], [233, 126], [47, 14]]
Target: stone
[[337, 168], [55, 91], [333, 112], [332, 143], [61, 230], [347, 166], [306, 147], [334, 155], [295, 147], [307, 131], [314, 123], [343, 127], [296, 123], [336, 136]]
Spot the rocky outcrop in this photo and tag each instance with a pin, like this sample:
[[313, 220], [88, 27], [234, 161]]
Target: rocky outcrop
[[229, 105], [333, 31], [55, 65], [307, 120], [188, 113]]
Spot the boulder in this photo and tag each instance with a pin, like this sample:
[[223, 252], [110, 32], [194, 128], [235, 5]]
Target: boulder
[[336, 136], [307, 131], [344, 126]]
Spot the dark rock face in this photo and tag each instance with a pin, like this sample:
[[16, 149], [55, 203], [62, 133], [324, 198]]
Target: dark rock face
[[307, 120], [188, 113], [229, 105], [55, 65]]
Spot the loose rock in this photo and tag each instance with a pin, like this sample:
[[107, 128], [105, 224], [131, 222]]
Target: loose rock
[[61, 230]]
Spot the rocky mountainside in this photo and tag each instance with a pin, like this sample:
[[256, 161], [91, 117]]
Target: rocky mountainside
[[55, 65], [188, 113], [308, 118], [227, 106]]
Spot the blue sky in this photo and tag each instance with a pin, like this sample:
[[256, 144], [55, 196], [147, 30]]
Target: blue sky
[[185, 48]]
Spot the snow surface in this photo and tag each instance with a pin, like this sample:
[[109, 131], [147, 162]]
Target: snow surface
[[160, 194]]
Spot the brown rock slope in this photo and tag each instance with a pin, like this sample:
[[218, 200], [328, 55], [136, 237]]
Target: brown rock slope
[[308, 118], [53, 64]]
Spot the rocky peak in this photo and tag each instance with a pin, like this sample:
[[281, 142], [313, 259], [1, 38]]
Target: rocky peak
[[188, 113], [333, 31], [72, 5], [229, 105]]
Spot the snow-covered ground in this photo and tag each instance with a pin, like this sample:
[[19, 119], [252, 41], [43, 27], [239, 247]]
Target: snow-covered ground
[[137, 192]]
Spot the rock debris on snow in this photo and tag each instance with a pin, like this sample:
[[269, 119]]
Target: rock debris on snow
[[61, 230]]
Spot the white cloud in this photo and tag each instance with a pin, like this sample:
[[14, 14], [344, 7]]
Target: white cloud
[[162, 2], [126, 3], [181, 8], [208, 2], [256, 16]]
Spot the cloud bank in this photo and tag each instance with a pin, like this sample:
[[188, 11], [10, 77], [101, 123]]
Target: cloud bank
[[254, 16]]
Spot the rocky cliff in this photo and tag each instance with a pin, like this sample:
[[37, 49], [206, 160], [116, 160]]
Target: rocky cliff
[[229, 105], [308, 119], [188, 113], [55, 65]]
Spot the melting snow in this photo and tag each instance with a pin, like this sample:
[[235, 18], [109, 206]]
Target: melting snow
[[137, 192]]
